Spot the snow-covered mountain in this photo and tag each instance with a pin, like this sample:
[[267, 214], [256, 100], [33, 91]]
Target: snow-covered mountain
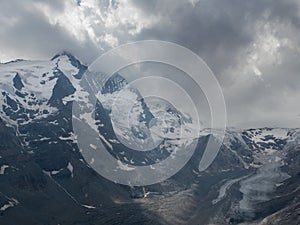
[[30, 89], [42, 171]]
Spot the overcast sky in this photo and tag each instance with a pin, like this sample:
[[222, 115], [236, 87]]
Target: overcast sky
[[253, 47]]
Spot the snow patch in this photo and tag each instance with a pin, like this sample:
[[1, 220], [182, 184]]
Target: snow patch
[[123, 166], [71, 169], [11, 203], [2, 169], [89, 206]]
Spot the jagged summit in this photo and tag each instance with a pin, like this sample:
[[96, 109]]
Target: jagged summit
[[67, 56], [62, 53]]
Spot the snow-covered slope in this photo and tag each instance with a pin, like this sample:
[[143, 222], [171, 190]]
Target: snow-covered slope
[[27, 87]]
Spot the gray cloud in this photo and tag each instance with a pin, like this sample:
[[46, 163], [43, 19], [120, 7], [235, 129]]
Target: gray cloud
[[27, 33], [216, 30], [251, 46], [223, 33]]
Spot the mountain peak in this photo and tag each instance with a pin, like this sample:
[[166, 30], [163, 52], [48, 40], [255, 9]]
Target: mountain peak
[[73, 60], [63, 53]]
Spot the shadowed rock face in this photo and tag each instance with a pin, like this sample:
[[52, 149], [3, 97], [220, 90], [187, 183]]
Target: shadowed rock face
[[45, 180]]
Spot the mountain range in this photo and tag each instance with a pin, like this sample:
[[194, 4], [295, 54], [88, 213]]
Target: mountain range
[[44, 179]]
